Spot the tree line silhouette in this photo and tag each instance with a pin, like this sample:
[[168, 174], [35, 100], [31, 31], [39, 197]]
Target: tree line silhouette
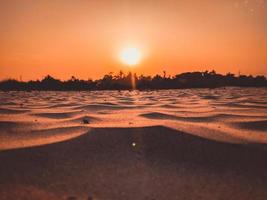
[[122, 81]]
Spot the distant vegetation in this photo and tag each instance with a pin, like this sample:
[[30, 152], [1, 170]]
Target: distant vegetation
[[122, 81]]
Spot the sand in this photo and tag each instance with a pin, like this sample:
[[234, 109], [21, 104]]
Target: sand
[[173, 144]]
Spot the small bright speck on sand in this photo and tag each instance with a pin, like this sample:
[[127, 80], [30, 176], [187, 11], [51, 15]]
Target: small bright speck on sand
[[133, 144]]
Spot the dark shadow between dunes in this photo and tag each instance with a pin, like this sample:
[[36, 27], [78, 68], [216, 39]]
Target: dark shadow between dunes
[[211, 118], [12, 111], [56, 115], [252, 125]]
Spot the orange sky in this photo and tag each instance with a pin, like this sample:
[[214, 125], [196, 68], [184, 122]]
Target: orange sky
[[83, 38]]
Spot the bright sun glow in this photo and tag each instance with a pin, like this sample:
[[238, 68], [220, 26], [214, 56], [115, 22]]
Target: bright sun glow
[[130, 56]]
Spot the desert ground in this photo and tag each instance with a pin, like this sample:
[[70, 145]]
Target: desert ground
[[167, 144]]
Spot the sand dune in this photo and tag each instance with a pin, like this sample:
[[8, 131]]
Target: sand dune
[[208, 109], [164, 164], [170, 144]]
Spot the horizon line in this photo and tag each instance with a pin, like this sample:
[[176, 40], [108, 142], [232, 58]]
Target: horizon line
[[125, 72]]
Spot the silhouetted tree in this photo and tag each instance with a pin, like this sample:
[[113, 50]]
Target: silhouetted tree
[[122, 81]]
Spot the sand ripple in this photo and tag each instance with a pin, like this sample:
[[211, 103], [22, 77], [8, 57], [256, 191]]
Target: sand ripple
[[238, 113], [171, 144]]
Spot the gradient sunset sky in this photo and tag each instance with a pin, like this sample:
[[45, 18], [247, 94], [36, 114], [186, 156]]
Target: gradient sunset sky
[[84, 38]]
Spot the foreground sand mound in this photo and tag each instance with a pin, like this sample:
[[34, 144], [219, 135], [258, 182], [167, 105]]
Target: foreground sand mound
[[135, 163], [169, 144]]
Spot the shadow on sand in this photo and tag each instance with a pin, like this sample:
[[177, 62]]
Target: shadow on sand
[[135, 163]]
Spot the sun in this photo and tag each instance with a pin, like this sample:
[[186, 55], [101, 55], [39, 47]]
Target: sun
[[130, 56]]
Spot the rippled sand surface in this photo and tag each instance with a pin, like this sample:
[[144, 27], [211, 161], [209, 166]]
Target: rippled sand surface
[[169, 144], [233, 115]]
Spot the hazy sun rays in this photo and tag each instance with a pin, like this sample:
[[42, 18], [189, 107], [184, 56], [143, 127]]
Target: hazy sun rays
[[131, 57]]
